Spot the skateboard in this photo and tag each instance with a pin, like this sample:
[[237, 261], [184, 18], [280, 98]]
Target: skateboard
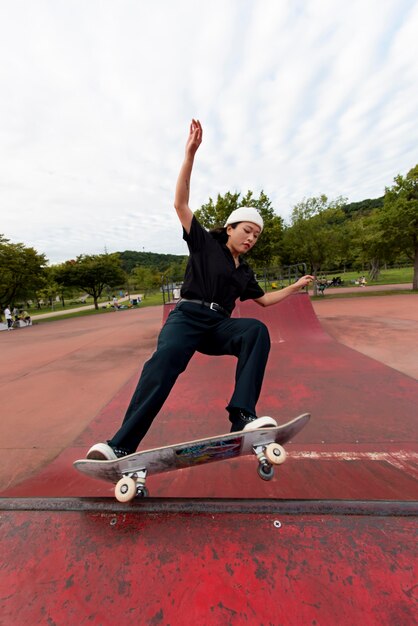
[[129, 473]]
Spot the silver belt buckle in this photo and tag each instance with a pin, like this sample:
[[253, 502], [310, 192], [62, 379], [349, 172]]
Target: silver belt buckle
[[212, 306]]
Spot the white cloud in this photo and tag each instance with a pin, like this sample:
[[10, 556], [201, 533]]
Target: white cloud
[[296, 98]]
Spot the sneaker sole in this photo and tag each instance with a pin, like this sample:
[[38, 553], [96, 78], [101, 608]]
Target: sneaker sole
[[98, 453]]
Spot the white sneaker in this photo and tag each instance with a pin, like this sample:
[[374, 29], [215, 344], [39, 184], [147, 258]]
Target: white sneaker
[[101, 452], [261, 422]]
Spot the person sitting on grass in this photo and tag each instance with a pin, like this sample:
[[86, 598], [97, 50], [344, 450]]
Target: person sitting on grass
[[25, 317]]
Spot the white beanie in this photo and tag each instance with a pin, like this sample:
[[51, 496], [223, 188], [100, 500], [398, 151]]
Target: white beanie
[[245, 214]]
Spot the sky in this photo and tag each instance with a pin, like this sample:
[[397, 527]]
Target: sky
[[296, 98]]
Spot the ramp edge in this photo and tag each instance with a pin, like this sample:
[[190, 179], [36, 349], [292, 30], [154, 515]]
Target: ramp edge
[[383, 508]]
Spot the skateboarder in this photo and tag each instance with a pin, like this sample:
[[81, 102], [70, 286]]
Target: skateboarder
[[216, 275]]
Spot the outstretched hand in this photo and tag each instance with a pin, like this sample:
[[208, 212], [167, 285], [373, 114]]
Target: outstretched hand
[[194, 139], [304, 281]]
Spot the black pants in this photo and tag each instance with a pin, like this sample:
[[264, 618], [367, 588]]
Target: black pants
[[189, 328]]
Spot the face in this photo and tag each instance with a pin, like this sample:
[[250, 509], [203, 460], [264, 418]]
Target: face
[[243, 237]]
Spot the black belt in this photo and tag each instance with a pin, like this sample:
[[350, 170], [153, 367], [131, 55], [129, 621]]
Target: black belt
[[211, 305]]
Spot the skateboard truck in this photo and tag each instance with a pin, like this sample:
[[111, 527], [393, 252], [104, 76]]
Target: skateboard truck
[[268, 456], [130, 485], [133, 483]]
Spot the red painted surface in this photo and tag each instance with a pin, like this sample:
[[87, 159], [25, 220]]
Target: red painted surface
[[124, 568], [238, 568], [207, 569], [359, 407]]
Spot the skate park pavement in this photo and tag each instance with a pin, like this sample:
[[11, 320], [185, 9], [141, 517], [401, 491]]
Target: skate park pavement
[[65, 385], [331, 539]]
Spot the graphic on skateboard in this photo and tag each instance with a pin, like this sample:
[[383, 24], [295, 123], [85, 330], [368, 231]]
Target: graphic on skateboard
[[129, 473]]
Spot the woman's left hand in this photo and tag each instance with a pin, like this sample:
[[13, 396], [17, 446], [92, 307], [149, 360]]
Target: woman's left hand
[[304, 281]]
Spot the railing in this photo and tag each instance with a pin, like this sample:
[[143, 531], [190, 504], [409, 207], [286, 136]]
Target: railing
[[170, 288], [279, 277]]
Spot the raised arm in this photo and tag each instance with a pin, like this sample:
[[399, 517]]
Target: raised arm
[[181, 200]]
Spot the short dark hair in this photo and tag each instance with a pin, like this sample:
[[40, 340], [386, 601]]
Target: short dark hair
[[219, 232]]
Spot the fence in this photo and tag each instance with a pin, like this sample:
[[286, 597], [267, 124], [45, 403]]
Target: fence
[[269, 278]]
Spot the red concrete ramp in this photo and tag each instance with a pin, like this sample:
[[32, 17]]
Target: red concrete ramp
[[209, 564], [360, 443], [331, 539]]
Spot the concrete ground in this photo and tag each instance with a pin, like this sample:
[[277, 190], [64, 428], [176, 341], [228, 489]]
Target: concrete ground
[[57, 377], [384, 327]]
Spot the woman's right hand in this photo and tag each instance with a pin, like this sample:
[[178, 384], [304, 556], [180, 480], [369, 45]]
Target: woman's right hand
[[194, 139], [181, 199]]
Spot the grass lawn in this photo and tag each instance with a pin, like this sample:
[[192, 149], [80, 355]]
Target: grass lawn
[[395, 276], [362, 293], [392, 276], [153, 299]]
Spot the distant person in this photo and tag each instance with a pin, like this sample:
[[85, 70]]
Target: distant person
[[25, 317], [216, 276], [9, 318]]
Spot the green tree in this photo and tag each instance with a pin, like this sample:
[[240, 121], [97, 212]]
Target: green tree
[[92, 274], [61, 290], [145, 279], [22, 271], [399, 218], [315, 233], [177, 270], [154, 260], [49, 289], [364, 207], [214, 214], [368, 245], [268, 248]]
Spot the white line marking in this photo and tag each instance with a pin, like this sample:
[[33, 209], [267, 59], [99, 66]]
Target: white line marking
[[401, 459]]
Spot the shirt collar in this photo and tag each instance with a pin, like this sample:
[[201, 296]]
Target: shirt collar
[[228, 252]]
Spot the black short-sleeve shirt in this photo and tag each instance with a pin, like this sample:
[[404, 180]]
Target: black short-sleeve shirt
[[211, 274]]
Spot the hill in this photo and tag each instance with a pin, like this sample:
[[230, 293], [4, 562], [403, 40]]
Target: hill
[[153, 260]]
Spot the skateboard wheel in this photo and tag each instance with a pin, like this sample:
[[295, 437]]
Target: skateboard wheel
[[125, 489], [265, 471], [142, 492], [275, 453]]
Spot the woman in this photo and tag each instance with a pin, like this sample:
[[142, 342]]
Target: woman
[[216, 275]]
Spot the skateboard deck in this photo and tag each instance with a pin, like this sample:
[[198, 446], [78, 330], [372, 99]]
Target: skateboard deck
[[129, 472]]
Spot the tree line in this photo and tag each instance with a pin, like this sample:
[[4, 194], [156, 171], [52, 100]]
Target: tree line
[[321, 232], [332, 233]]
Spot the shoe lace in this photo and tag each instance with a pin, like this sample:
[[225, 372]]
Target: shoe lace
[[120, 452], [247, 417]]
